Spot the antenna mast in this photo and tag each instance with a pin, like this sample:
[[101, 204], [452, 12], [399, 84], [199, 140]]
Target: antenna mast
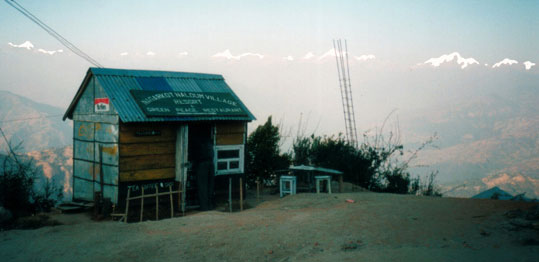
[[343, 72]]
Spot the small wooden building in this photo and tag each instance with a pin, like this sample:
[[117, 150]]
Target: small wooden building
[[139, 127]]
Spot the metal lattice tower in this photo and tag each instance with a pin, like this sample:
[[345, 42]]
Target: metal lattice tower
[[346, 91]]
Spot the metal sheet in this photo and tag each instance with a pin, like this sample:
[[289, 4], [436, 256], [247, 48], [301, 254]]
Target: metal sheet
[[106, 133], [100, 93], [110, 174], [84, 170], [83, 150], [85, 104], [183, 84], [109, 192], [168, 103], [110, 153], [83, 130], [108, 119], [116, 84], [84, 189]]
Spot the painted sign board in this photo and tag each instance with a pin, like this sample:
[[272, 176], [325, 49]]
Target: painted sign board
[[101, 104], [174, 103]]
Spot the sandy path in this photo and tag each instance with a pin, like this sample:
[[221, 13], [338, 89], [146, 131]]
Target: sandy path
[[304, 227]]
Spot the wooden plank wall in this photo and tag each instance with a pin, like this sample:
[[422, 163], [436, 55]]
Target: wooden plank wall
[[147, 151], [229, 133]]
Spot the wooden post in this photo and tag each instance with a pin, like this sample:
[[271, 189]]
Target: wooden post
[[230, 193], [341, 184], [156, 202], [241, 194], [127, 204], [180, 191], [142, 204], [101, 171], [171, 202]]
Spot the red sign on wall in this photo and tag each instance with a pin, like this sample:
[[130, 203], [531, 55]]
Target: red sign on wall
[[101, 104]]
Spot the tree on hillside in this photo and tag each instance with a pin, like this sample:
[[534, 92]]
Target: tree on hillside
[[263, 153], [375, 166], [335, 153]]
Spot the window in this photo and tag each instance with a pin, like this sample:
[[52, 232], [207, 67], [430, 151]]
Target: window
[[229, 159]]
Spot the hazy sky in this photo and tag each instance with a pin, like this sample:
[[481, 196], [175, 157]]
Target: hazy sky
[[272, 52]]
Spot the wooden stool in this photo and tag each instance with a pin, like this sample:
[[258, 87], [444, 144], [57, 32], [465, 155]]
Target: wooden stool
[[321, 178], [291, 185]]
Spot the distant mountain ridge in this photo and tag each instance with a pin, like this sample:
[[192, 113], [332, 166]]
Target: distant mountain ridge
[[484, 141], [38, 126]]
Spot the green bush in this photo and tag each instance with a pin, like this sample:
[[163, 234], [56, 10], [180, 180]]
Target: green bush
[[18, 192], [374, 166], [16, 186]]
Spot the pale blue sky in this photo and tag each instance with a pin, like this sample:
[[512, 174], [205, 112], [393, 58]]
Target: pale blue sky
[[407, 29], [401, 34]]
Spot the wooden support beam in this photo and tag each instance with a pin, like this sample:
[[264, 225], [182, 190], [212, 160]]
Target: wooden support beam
[[156, 203], [152, 195], [171, 201], [127, 204], [241, 193], [142, 204], [230, 193]]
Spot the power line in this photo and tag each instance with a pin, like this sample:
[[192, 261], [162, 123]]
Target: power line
[[53, 33], [30, 118]]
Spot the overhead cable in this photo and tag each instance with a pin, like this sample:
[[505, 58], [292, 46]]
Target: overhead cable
[[53, 33]]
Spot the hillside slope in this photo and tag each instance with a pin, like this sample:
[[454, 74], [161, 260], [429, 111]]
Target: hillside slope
[[38, 126], [485, 141]]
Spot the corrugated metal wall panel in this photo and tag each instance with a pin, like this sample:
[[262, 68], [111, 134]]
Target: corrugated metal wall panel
[[85, 104], [110, 175], [109, 119], [84, 190], [83, 130], [84, 170], [83, 150], [107, 133], [110, 191], [110, 153]]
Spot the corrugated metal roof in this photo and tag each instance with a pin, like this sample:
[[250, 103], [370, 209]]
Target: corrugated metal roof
[[118, 82]]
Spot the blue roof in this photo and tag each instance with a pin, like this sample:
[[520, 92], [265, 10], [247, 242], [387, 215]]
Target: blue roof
[[494, 192], [118, 82]]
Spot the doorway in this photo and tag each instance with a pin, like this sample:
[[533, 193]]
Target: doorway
[[200, 177]]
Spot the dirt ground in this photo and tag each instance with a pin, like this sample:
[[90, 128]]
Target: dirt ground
[[302, 227]]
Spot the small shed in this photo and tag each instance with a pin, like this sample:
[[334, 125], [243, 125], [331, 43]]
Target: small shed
[[140, 128]]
